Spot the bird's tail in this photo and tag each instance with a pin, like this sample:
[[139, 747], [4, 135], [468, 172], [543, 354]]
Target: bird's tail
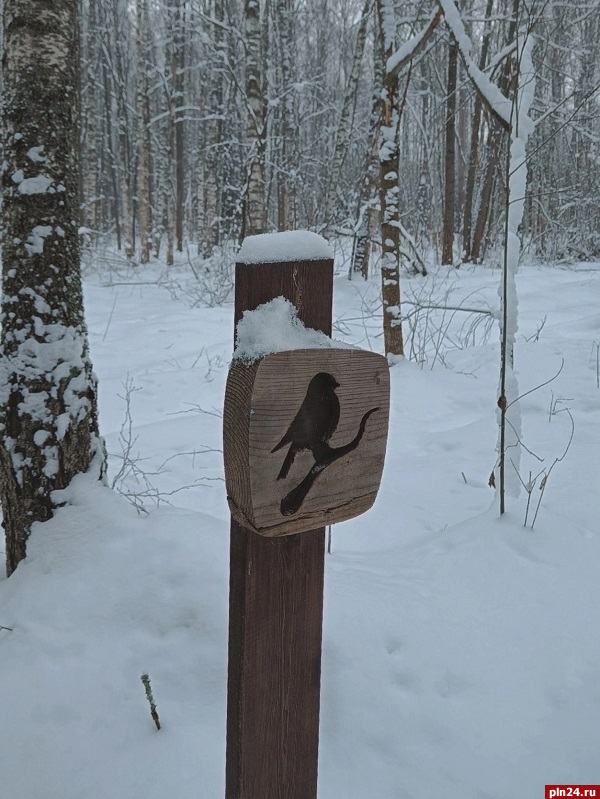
[[287, 464]]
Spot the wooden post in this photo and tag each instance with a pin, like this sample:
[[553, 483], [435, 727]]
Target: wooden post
[[276, 602]]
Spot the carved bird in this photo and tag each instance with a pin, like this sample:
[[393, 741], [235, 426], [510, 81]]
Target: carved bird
[[315, 422]]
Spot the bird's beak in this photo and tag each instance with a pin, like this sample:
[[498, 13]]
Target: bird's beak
[[336, 384]]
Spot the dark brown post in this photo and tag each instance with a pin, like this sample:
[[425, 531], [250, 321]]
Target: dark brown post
[[276, 602]]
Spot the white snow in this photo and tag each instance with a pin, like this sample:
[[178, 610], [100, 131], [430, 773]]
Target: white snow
[[37, 185], [41, 437], [388, 23], [275, 327], [35, 241], [293, 245], [460, 655], [54, 353], [36, 154]]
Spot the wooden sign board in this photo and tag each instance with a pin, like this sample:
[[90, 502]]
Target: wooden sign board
[[305, 433]]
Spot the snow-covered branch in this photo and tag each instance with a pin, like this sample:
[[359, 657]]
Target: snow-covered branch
[[491, 96], [396, 63]]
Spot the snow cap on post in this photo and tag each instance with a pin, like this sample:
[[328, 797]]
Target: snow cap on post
[[293, 245], [274, 327]]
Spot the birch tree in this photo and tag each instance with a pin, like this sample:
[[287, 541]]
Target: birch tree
[[48, 416], [286, 210], [388, 187], [255, 206]]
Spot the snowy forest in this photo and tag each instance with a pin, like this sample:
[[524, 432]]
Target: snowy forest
[[441, 162], [181, 101]]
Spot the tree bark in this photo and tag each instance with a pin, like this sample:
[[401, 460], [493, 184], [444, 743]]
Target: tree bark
[[450, 156], [178, 67], [346, 114], [48, 413], [111, 156], [143, 142], [368, 213], [496, 136], [210, 183], [255, 207], [89, 172], [287, 178], [474, 146], [389, 191]]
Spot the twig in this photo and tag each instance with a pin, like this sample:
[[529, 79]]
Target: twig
[[112, 310], [146, 681], [520, 442], [536, 335], [194, 408], [420, 306], [556, 460], [541, 385]]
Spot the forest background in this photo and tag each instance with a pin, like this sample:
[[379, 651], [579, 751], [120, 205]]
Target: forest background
[[183, 102]]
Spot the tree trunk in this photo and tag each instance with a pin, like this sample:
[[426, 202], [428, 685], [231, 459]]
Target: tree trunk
[[171, 170], [346, 115], [485, 198], [450, 156], [495, 140], [112, 159], [178, 67], [48, 415], [474, 146], [125, 155], [210, 184], [89, 156], [255, 207], [287, 178], [388, 188], [368, 213], [170, 183], [143, 142]]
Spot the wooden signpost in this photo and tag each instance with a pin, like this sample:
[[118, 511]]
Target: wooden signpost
[[304, 443], [304, 438]]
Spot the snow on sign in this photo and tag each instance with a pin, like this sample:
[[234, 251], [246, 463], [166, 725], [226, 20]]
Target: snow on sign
[[305, 432]]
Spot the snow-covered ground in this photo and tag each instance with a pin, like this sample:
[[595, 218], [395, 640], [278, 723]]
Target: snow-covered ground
[[461, 654]]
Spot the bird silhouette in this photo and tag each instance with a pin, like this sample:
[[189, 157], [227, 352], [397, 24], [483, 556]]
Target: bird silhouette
[[315, 422]]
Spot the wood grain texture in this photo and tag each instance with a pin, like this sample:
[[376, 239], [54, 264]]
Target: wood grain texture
[[262, 401], [276, 603]]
